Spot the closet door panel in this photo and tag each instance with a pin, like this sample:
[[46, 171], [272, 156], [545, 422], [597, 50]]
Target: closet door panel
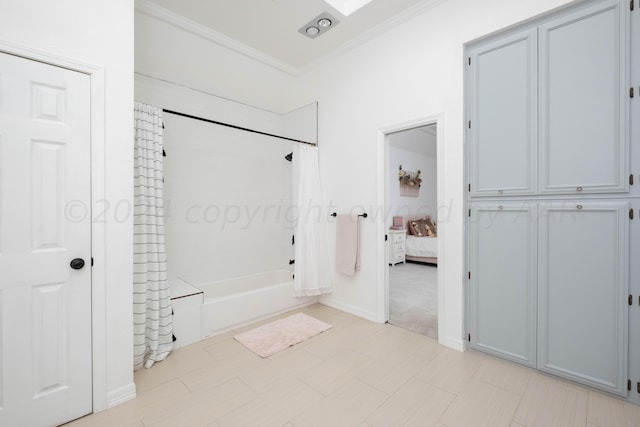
[[503, 280], [634, 290], [583, 143], [582, 290], [502, 128]]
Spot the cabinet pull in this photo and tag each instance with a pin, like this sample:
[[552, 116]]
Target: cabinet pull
[[579, 189], [579, 206]]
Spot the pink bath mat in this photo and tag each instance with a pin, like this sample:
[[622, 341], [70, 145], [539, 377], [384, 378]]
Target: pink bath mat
[[282, 333]]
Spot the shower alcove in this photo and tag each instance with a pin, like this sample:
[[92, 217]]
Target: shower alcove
[[229, 208]]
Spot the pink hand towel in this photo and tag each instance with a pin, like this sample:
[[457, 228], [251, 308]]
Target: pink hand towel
[[347, 244]]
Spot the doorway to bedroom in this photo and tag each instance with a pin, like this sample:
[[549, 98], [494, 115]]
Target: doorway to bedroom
[[412, 229]]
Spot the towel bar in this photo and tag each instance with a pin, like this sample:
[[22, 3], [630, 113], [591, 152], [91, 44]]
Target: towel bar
[[364, 215]]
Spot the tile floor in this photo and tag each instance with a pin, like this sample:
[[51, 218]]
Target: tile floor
[[357, 374], [413, 298]]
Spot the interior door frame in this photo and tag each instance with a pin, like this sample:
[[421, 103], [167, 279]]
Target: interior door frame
[[98, 229], [383, 198]]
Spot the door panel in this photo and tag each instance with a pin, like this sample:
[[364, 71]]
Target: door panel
[[582, 311], [583, 142], [503, 280], [503, 103], [45, 222]]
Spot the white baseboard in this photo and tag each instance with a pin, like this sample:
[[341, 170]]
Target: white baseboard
[[347, 308], [453, 343], [121, 395]]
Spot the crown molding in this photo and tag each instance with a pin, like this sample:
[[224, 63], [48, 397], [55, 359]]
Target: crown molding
[[155, 11], [372, 33]]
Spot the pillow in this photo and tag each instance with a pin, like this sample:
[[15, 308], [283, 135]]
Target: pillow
[[411, 228], [419, 228], [431, 224]]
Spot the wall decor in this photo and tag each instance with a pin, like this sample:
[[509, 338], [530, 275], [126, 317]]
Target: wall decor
[[410, 182]]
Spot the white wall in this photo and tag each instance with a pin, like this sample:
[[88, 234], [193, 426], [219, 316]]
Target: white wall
[[227, 201], [423, 160], [163, 51], [301, 123], [98, 33], [414, 70]]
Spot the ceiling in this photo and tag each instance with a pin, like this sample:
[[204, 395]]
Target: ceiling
[[420, 140], [271, 26]]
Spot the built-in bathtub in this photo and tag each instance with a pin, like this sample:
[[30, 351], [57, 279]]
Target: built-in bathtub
[[238, 301]]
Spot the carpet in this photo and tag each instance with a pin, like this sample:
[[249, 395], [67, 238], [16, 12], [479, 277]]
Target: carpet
[[413, 298], [281, 334]]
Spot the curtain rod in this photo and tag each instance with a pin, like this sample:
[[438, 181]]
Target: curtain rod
[[236, 127]]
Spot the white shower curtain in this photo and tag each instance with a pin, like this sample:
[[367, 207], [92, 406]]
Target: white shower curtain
[[312, 269], [152, 317]]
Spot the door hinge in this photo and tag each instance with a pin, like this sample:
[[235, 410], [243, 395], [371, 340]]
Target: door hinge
[[470, 57], [293, 239], [469, 124], [638, 387], [91, 261], [469, 337], [469, 275], [386, 237], [631, 179], [629, 385], [630, 300], [469, 188], [630, 213], [631, 92], [469, 213], [631, 6]]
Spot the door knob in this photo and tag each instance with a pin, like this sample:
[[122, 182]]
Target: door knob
[[77, 263]]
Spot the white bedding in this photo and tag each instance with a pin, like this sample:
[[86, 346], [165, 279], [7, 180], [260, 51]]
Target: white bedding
[[422, 246]]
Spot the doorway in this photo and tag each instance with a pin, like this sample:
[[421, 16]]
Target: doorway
[[411, 212], [442, 212]]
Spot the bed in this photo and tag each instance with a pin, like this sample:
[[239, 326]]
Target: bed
[[422, 241]]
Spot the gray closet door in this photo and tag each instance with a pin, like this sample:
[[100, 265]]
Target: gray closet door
[[583, 141], [503, 280], [582, 292], [503, 116]]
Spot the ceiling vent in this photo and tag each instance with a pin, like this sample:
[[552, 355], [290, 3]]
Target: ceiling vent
[[319, 25]]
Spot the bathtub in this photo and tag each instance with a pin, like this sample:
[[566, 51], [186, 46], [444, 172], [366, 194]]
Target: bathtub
[[238, 301]]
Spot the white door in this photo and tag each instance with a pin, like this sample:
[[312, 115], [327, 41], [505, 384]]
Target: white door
[[502, 280], [582, 292], [45, 223]]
